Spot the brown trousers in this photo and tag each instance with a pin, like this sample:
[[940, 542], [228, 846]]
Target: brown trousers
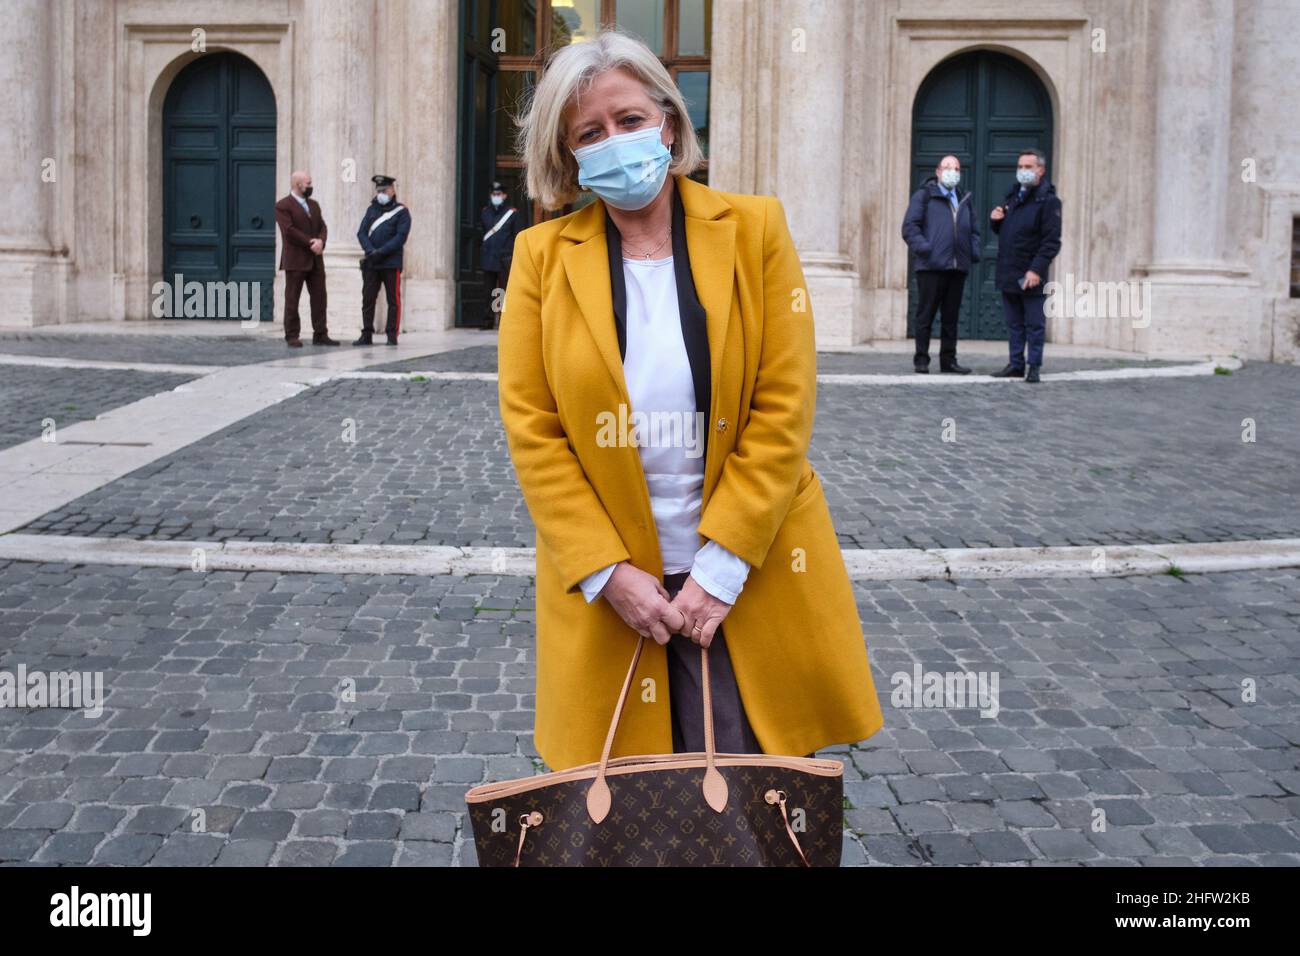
[[731, 731], [294, 279]]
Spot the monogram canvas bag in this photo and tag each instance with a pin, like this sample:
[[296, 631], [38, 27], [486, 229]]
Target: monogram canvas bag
[[688, 809]]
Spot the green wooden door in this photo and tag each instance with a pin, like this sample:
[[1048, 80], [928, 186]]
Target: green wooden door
[[219, 175], [984, 108]]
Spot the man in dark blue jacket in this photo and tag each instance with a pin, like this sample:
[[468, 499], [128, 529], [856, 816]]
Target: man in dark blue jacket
[[1028, 224], [939, 228], [500, 225], [382, 235]]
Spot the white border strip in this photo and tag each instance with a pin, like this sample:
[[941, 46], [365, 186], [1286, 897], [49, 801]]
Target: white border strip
[[891, 564], [1081, 375], [882, 378], [46, 361]]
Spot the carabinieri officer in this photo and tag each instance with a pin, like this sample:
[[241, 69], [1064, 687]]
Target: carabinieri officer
[[382, 235], [500, 226]]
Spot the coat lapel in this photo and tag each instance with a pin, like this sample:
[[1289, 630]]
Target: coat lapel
[[711, 243], [586, 264]]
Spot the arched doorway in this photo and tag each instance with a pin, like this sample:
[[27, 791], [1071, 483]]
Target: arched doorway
[[219, 175], [982, 107]]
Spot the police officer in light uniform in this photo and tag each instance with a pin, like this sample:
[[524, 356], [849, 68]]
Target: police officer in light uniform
[[500, 225], [382, 235]]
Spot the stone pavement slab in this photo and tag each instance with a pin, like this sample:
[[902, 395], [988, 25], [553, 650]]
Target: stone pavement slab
[[30, 396], [338, 719], [476, 358], [409, 462], [42, 475], [483, 358], [980, 363], [237, 347]]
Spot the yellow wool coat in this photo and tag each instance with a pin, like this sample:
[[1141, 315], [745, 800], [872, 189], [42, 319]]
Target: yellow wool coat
[[794, 636]]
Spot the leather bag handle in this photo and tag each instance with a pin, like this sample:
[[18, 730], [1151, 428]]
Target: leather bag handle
[[715, 785]]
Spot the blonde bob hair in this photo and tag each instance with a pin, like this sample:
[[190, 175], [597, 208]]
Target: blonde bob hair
[[552, 172]]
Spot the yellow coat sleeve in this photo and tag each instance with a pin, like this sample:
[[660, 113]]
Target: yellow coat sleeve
[[574, 527], [761, 474]]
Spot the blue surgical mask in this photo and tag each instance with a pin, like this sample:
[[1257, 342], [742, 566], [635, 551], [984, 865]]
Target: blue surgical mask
[[627, 170], [1025, 177], [383, 199]]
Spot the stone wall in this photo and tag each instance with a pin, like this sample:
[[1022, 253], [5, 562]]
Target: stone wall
[[811, 102], [102, 71]]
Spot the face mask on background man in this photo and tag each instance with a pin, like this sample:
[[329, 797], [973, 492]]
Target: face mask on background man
[[950, 178], [383, 199], [1026, 177], [498, 200]]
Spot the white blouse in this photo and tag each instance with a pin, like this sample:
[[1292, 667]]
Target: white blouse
[[670, 439]]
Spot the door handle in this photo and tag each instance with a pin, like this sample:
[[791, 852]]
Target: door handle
[[257, 222], [195, 222]]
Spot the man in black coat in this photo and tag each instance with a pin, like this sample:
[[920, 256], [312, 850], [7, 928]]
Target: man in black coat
[[1028, 224], [939, 229], [500, 225], [383, 233]]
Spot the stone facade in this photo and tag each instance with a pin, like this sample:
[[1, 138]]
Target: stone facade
[[1173, 152]]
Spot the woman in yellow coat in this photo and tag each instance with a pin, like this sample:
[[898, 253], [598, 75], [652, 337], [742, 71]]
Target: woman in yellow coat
[[667, 303]]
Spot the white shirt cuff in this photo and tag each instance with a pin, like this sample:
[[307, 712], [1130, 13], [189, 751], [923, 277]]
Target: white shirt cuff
[[719, 572], [591, 585]]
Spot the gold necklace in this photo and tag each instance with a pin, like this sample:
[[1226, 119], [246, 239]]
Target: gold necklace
[[647, 255]]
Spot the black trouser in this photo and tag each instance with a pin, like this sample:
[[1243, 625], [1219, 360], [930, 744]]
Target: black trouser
[[938, 291], [495, 279], [371, 279]]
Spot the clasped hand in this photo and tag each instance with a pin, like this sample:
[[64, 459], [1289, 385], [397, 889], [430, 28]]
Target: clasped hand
[[642, 601]]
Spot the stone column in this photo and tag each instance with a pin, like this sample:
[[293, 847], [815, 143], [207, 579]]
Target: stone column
[[1193, 117], [32, 269], [422, 142], [1200, 302], [809, 76], [336, 78]]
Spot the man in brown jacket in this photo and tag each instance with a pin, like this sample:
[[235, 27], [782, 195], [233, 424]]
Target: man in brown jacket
[[302, 229]]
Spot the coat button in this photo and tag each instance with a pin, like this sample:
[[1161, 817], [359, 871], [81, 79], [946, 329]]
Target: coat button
[[722, 424]]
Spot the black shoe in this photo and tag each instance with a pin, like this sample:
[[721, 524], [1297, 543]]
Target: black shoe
[[1032, 374], [293, 343], [921, 369], [952, 368], [364, 340], [323, 340], [1010, 372], [392, 341]]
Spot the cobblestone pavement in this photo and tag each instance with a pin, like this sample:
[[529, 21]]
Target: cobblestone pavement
[[429, 465], [476, 358], [483, 358], [237, 348], [29, 395], [1119, 462], [1120, 694]]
